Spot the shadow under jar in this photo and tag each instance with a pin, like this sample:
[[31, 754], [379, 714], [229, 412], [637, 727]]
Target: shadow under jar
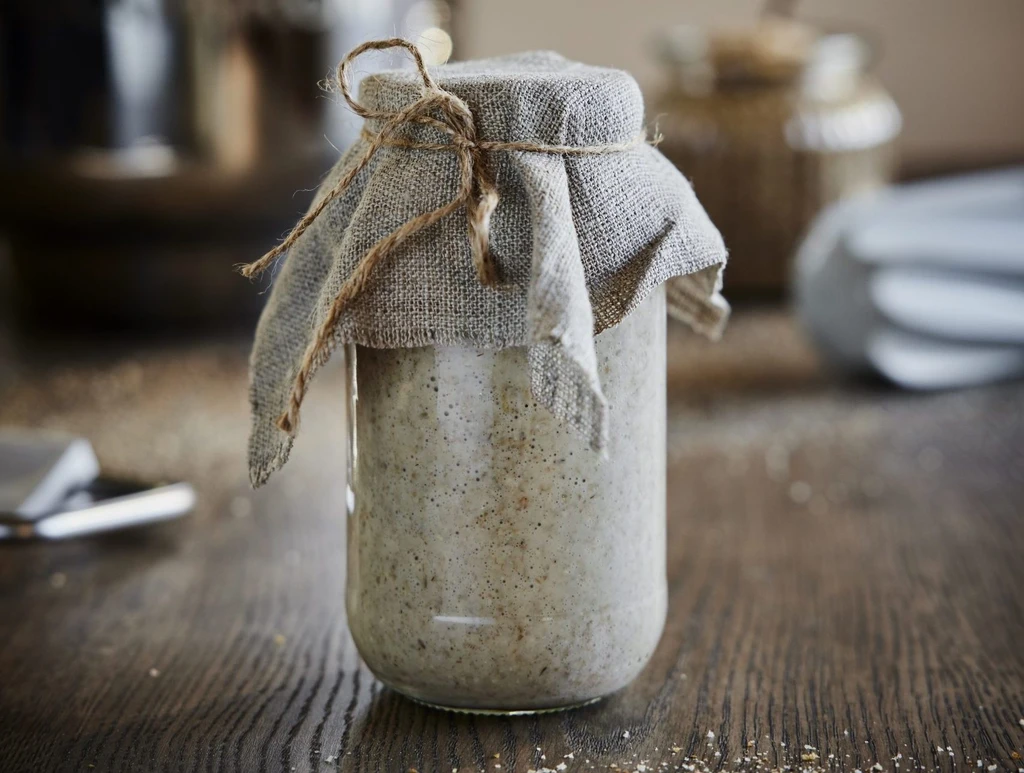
[[495, 562]]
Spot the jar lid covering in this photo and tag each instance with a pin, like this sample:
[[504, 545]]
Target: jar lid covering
[[583, 229]]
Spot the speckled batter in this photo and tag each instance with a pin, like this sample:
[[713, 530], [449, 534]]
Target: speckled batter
[[495, 561]]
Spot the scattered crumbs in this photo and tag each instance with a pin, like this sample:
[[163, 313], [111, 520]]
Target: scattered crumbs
[[329, 759], [626, 734], [570, 756], [58, 580], [979, 763], [279, 639], [877, 767], [641, 768], [939, 749], [154, 672], [812, 757], [992, 767], [846, 733], [497, 755], [1014, 755], [711, 734], [1020, 722], [751, 744], [718, 754]]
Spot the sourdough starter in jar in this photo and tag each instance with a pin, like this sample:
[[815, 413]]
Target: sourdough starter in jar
[[496, 562]]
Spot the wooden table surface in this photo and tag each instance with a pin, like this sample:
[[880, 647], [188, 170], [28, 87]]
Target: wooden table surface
[[846, 569]]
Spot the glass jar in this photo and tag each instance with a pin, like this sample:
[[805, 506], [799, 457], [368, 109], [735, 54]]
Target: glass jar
[[495, 562], [771, 125]]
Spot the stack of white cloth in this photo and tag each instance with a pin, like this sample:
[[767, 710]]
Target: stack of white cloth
[[922, 284]]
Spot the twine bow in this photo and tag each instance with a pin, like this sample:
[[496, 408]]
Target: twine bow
[[477, 193]]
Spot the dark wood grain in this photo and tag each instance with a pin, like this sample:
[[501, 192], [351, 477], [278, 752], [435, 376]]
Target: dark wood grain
[[846, 567]]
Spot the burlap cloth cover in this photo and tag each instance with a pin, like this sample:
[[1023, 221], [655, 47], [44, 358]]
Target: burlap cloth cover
[[579, 241]]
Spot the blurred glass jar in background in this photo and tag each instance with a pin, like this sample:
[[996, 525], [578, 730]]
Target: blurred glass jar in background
[[771, 124], [147, 146]]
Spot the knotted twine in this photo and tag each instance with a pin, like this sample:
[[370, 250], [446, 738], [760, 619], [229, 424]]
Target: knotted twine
[[477, 193]]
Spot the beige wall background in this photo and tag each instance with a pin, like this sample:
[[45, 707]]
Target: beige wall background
[[956, 67]]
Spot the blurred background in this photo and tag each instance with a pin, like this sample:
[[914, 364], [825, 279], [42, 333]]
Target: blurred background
[[859, 160], [949, 64], [147, 144], [845, 467]]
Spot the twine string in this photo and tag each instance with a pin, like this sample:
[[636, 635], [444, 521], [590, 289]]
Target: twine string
[[477, 193]]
